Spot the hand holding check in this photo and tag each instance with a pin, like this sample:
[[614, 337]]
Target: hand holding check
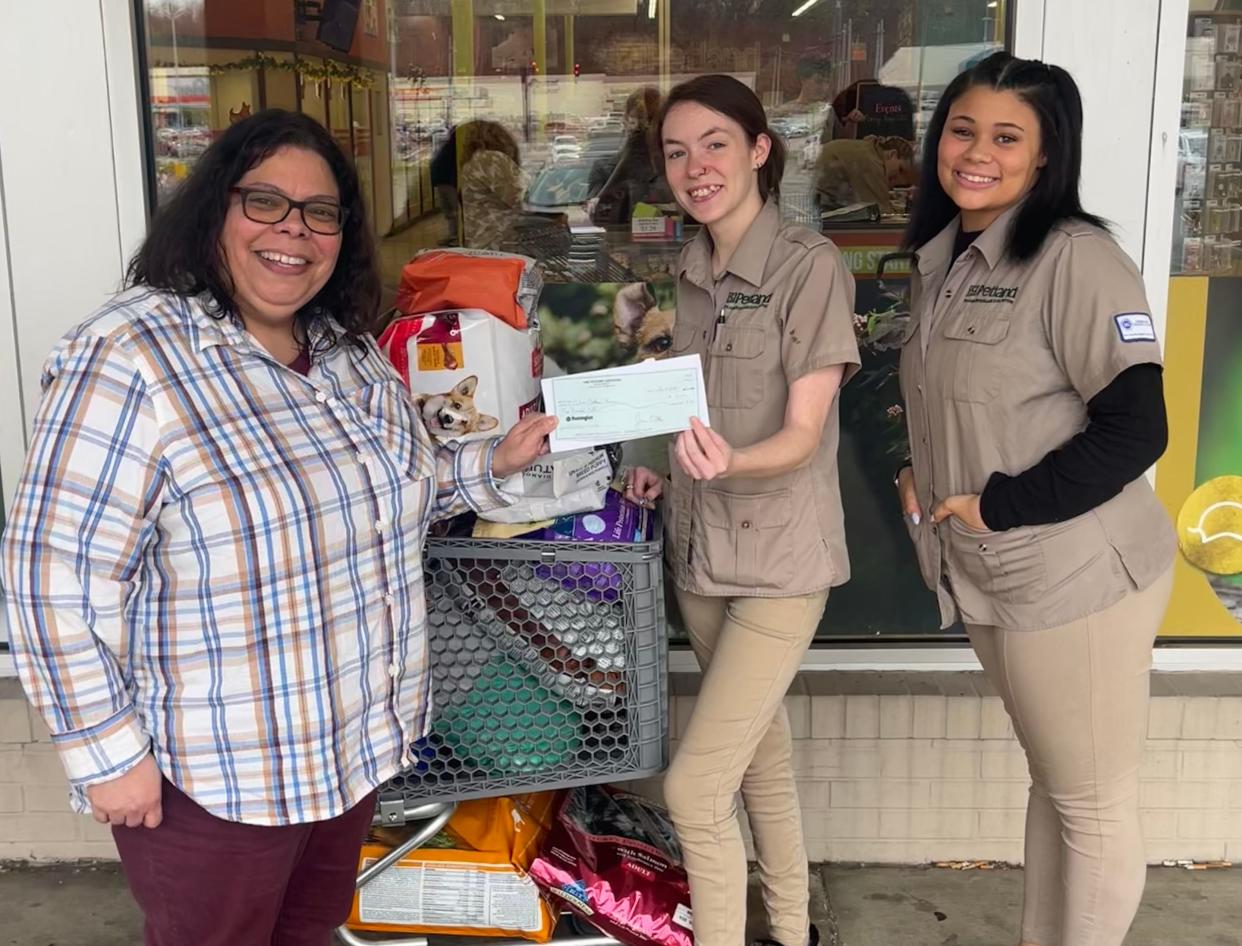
[[702, 453]]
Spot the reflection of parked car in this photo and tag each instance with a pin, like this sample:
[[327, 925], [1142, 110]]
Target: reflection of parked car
[[808, 154], [790, 127], [562, 189], [560, 186], [599, 146], [565, 152], [187, 142]]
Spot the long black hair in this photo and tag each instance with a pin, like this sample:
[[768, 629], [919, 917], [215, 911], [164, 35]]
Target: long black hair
[[1053, 95], [182, 251], [733, 99]]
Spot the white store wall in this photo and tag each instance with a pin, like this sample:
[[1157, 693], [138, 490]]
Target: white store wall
[[1130, 77], [72, 184], [71, 188]]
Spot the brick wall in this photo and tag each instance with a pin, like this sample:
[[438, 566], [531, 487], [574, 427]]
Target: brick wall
[[910, 768], [893, 768], [35, 820]]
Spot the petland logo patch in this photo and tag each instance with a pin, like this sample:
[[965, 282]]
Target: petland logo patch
[[982, 293]]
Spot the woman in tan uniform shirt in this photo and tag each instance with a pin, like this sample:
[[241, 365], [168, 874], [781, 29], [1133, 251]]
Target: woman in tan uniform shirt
[[1031, 375], [755, 530]]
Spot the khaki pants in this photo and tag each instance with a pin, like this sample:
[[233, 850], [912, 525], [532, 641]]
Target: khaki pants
[[738, 738], [1078, 699]]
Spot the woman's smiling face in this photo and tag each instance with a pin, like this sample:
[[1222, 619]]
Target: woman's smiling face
[[277, 268], [709, 162], [990, 154]]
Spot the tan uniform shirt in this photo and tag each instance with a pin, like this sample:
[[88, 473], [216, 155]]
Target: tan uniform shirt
[[1000, 360], [783, 309]]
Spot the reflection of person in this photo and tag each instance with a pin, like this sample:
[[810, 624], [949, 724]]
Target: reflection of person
[[491, 184], [634, 178], [443, 173], [868, 108], [814, 71], [601, 170], [852, 172], [215, 585], [768, 306], [1032, 368]]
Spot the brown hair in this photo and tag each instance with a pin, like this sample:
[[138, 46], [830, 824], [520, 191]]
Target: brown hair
[[733, 99], [643, 105], [899, 146], [182, 252], [482, 135]]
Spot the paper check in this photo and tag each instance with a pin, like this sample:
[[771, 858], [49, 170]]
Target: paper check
[[616, 405]]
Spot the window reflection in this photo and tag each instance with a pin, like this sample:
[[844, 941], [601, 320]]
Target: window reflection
[[561, 94], [522, 125], [1207, 232]]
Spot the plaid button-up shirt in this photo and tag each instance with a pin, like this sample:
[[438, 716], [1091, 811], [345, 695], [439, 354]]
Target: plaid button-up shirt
[[217, 560]]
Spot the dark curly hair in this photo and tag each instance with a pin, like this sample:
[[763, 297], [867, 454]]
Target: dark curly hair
[[182, 251]]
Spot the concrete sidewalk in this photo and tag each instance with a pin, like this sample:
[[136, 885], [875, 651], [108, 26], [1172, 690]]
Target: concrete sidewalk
[[67, 905], [914, 906]]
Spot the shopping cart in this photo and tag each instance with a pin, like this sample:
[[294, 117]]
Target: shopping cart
[[549, 669]]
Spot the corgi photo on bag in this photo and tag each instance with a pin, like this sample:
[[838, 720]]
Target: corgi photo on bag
[[453, 414], [470, 375]]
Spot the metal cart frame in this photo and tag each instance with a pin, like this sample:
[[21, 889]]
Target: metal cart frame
[[435, 816], [648, 696]]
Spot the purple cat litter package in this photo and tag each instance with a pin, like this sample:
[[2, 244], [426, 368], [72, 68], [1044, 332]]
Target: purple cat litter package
[[619, 521]]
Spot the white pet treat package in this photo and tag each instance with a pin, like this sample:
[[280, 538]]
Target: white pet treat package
[[562, 485], [472, 375]]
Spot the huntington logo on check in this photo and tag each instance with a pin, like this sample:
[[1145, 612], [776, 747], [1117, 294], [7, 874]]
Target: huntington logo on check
[[1135, 327]]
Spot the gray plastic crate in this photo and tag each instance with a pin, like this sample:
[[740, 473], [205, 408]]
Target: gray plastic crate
[[549, 668]]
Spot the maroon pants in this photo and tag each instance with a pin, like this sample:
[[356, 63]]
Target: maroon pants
[[203, 881]]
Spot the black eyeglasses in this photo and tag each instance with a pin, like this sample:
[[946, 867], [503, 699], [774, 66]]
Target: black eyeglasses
[[263, 206]]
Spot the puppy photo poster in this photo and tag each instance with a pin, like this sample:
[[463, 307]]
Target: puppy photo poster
[[589, 326]]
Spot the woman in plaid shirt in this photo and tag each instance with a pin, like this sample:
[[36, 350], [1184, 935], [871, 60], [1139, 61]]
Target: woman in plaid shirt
[[214, 561]]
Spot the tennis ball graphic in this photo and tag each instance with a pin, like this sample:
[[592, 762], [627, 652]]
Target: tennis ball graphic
[[1209, 527]]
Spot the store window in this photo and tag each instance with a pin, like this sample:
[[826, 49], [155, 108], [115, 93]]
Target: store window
[[519, 125], [1200, 477]]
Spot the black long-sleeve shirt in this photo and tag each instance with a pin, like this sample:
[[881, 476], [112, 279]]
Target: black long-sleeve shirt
[[1127, 431]]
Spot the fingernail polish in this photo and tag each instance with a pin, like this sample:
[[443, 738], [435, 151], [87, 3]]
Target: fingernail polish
[[915, 518]]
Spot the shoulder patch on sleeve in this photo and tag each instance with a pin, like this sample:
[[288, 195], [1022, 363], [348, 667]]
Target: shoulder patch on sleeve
[[1135, 327]]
